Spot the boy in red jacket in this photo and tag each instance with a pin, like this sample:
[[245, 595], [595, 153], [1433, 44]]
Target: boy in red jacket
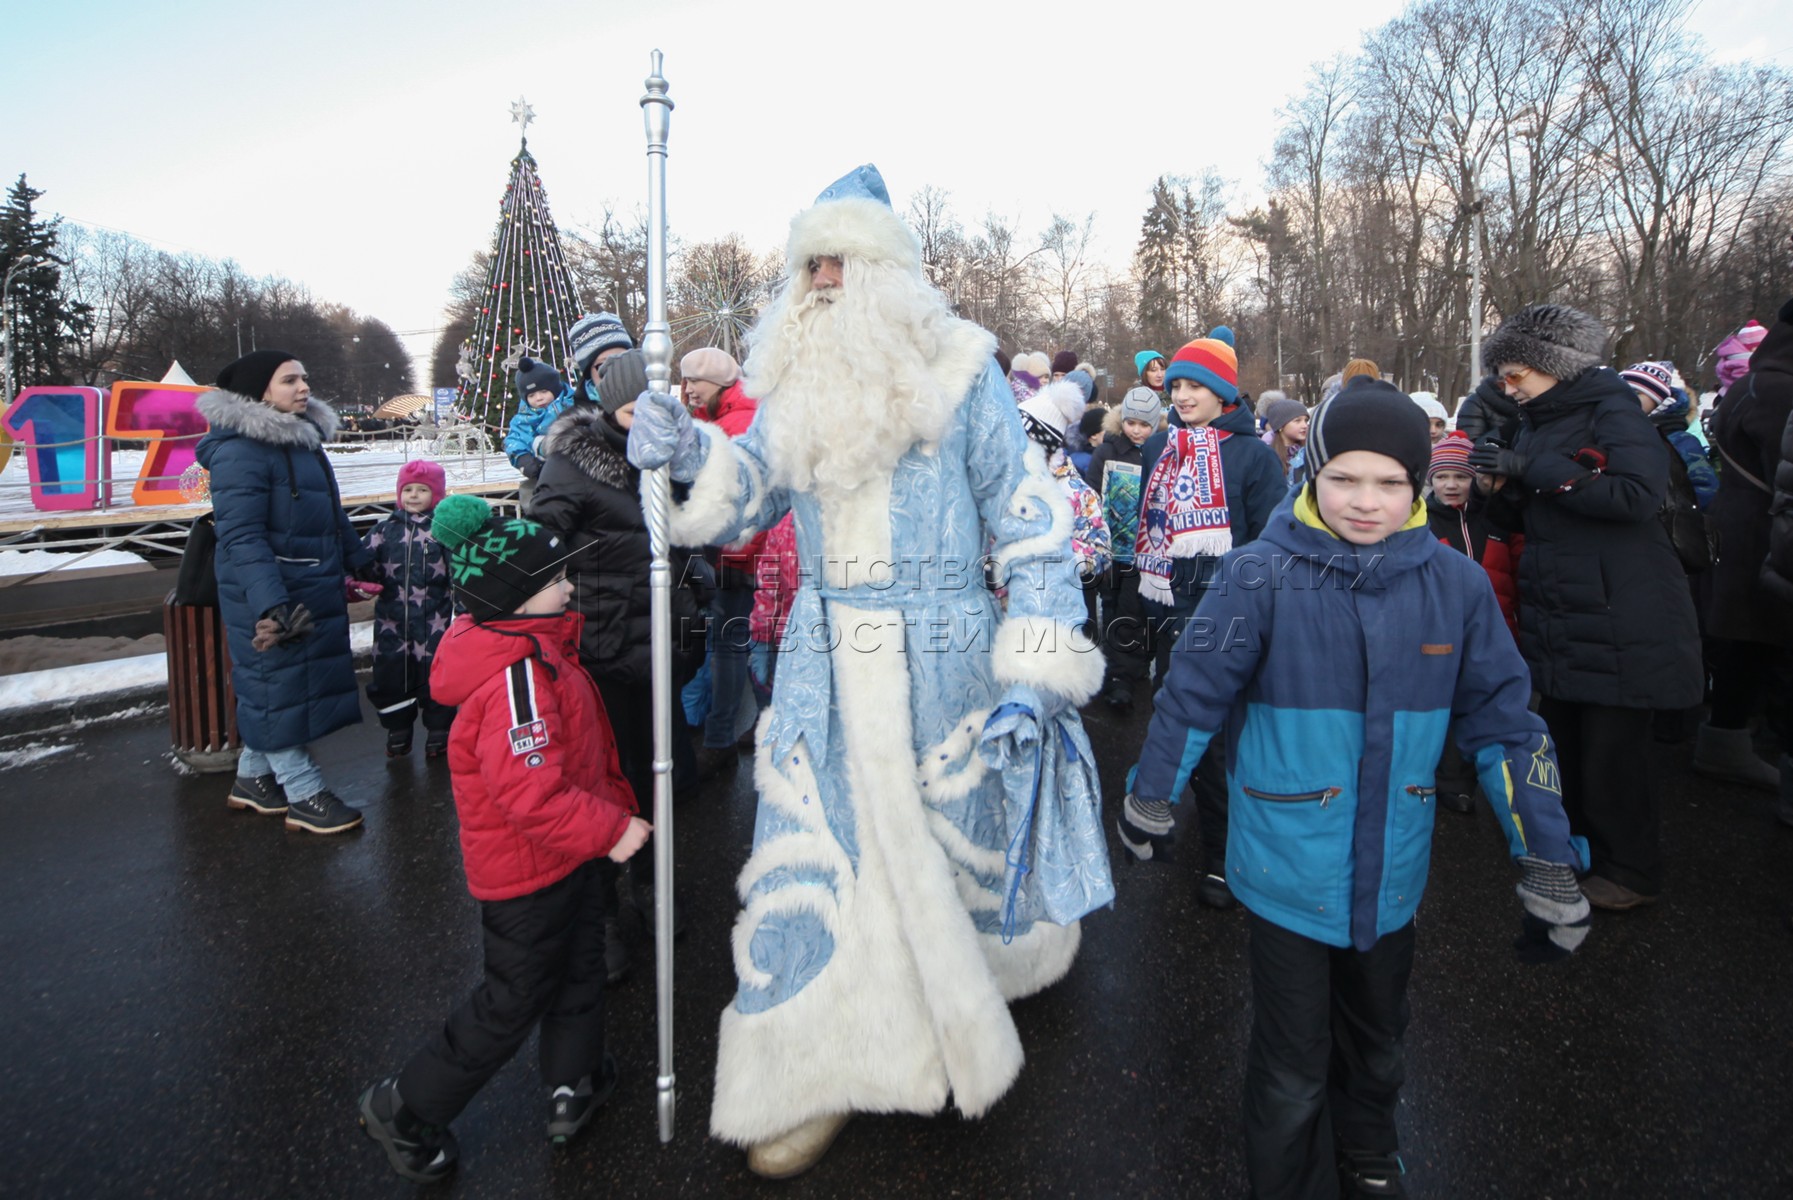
[[541, 799]]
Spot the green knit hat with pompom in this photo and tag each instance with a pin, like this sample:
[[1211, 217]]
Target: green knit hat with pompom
[[495, 563]]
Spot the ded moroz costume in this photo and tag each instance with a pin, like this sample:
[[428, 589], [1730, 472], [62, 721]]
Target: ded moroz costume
[[874, 954]]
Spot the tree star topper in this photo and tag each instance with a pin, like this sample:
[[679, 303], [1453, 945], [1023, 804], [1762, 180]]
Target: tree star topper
[[522, 114]]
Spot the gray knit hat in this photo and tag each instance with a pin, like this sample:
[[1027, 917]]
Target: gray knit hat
[[1280, 412], [625, 378], [1560, 341], [1142, 404]]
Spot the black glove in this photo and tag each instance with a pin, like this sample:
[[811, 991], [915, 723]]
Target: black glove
[[530, 465], [283, 624], [1557, 916], [1492, 458]]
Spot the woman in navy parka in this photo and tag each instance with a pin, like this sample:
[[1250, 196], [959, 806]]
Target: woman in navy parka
[[285, 548]]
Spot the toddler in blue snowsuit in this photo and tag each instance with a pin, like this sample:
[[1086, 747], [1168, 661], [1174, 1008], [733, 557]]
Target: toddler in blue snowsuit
[[542, 395], [1332, 654]]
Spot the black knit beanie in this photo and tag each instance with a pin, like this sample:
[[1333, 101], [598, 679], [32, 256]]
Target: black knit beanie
[[533, 376], [495, 563], [251, 374], [1370, 414]]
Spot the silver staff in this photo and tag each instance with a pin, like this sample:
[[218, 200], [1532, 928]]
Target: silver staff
[[656, 347]]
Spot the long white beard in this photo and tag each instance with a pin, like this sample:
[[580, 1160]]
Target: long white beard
[[843, 378]]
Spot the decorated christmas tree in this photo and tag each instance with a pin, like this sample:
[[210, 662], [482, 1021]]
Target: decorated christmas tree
[[529, 302]]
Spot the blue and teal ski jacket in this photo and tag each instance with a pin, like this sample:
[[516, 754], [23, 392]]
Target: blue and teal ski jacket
[[1335, 670], [530, 425]]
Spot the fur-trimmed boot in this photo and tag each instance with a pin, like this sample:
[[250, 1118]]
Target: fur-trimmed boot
[[1730, 755], [797, 1150]]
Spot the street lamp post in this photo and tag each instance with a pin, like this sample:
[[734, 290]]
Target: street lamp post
[[6, 336]]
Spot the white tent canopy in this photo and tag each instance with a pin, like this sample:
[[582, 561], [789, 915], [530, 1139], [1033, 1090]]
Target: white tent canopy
[[178, 374]]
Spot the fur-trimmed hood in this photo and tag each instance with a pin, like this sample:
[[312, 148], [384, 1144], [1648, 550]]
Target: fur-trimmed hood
[[1560, 341], [253, 419], [584, 439], [853, 227]]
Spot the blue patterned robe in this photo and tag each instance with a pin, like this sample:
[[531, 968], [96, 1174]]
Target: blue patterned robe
[[872, 973]]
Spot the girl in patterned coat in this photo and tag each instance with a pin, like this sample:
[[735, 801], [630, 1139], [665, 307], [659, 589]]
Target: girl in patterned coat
[[411, 613]]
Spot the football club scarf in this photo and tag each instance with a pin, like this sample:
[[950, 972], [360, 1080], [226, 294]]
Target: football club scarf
[[1184, 514]]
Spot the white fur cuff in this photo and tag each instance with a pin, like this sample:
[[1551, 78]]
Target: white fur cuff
[[1048, 657], [713, 506]]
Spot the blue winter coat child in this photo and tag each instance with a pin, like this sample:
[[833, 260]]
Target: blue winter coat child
[[283, 540], [523, 441], [1335, 670]]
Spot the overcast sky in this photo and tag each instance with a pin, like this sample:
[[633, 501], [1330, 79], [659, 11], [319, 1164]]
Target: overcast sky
[[361, 148]]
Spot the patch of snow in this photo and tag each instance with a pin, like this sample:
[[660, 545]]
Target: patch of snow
[[34, 752], [86, 681], [35, 562]]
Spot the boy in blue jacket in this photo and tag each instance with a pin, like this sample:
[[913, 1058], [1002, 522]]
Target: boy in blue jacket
[[1332, 654], [542, 395]]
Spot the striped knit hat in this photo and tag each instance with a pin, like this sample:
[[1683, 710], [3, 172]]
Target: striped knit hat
[[1209, 361], [1451, 454], [1657, 379]]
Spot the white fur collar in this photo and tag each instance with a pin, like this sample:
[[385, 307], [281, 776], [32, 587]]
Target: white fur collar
[[258, 422]]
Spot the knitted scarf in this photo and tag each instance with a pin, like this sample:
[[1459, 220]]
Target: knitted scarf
[[1184, 513]]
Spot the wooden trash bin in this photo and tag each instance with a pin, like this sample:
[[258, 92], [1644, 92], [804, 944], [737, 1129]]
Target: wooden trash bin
[[202, 706]]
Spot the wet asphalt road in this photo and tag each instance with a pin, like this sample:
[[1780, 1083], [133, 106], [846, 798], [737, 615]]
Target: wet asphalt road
[[192, 999]]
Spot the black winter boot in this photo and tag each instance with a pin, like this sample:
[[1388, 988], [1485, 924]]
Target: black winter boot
[[435, 743], [421, 1153], [260, 794], [398, 742]]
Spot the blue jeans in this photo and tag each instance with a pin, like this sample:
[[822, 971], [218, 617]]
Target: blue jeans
[[293, 767], [731, 641]]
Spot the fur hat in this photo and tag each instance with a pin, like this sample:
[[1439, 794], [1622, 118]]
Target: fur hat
[[1376, 416], [1047, 414], [1451, 454], [533, 376], [625, 378], [1064, 362], [1143, 359], [1428, 404], [1142, 404], [1209, 361], [495, 564], [852, 218], [1554, 339], [251, 374], [710, 365], [429, 474], [1280, 412], [590, 336], [1265, 398]]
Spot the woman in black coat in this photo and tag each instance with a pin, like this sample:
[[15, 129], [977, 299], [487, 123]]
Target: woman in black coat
[[1606, 621], [590, 494], [1747, 604]]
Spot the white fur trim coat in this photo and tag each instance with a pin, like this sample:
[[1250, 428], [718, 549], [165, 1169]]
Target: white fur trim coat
[[872, 972]]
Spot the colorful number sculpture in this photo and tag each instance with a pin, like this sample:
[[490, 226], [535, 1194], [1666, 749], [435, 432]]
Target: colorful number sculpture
[[57, 429], [164, 415]]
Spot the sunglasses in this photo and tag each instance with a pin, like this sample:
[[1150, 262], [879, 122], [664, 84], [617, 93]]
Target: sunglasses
[[1512, 378]]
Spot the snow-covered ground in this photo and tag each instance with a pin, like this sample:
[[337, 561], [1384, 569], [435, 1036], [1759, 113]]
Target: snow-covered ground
[[35, 562], [90, 681]]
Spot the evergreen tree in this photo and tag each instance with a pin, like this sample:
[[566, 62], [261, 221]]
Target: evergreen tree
[[1155, 263], [528, 302], [41, 324]]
